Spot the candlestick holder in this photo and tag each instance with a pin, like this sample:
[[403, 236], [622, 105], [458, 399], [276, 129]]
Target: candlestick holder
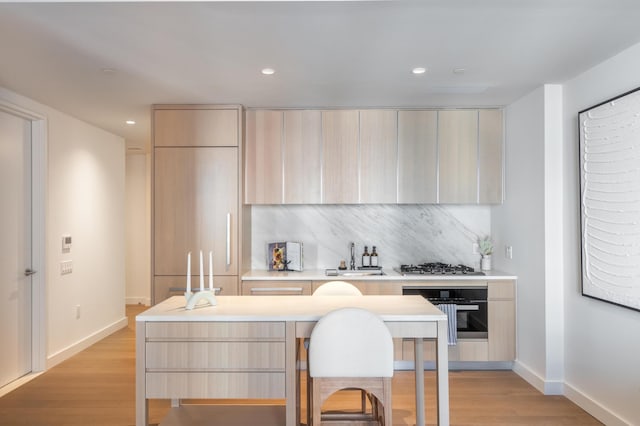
[[194, 298]]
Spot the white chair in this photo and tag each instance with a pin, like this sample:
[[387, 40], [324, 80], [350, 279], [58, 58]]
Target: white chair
[[351, 348], [337, 288], [333, 288]]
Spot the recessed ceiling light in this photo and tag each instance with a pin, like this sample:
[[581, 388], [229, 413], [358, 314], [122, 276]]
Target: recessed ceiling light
[[109, 70], [459, 70], [268, 71], [130, 122], [419, 70]]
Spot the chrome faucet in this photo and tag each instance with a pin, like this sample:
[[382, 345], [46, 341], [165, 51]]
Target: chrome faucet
[[353, 257]]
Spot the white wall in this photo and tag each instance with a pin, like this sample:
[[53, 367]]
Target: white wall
[[519, 222], [85, 198], [138, 217], [602, 341]]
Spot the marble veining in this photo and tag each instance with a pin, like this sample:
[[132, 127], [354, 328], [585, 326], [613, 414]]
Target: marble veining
[[401, 233]]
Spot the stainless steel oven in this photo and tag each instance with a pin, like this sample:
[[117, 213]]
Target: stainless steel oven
[[471, 307]]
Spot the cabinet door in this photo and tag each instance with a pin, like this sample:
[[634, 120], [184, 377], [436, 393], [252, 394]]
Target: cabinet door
[[195, 208], [417, 157], [458, 156], [378, 156], [502, 321], [340, 157], [490, 167], [302, 154], [195, 127], [263, 158]]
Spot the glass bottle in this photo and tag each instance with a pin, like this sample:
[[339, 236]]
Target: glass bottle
[[374, 257], [366, 258]]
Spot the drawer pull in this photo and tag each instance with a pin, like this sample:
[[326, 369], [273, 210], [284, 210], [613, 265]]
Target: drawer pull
[[275, 289]]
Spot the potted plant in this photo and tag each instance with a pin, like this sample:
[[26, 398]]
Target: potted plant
[[486, 249]]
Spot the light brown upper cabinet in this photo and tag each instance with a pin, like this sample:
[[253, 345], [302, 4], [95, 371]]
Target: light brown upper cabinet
[[263, 161], [340, 157], [458, 156], [374, 156], [302, 154], [490, 167], [417, 157], [378, 156], [283, 158], [195, 126]]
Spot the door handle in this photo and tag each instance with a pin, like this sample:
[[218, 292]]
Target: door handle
[[228, 240], [28, 272]]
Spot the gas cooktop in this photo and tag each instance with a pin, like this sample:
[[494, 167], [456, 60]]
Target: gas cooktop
[[437, 268]]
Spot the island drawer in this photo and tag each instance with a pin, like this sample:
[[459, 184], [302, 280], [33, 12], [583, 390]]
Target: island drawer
[[215, 331], [262, 385], [206, 356]]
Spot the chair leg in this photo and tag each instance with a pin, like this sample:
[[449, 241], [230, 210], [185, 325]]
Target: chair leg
[[316, 403], [309, 396], [386, 404]]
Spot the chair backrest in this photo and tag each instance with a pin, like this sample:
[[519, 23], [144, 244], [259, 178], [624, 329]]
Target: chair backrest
[[350, 342], [337, 288]]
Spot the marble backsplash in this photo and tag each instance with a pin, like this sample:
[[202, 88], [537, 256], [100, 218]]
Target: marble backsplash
[[401, 233]]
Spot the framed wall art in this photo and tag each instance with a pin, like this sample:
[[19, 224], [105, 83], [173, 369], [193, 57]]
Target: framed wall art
[[610, 200]]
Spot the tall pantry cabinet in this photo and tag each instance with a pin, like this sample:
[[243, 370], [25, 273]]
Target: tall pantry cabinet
[[197, 154]]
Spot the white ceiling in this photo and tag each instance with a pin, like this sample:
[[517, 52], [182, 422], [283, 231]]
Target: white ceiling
[[326, 54]]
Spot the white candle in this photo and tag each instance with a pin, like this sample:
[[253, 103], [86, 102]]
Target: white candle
[[210, 271], [201, 272], [189, 272]]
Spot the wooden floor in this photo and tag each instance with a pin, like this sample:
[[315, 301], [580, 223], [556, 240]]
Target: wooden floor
[[97, 387]]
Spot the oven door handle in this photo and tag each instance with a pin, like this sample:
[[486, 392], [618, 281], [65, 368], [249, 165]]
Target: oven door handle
[[467, 308]]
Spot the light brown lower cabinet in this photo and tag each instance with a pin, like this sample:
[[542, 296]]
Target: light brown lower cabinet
[[502, 321]]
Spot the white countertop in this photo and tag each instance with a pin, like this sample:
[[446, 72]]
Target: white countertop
[[291, 308], [390, 275]]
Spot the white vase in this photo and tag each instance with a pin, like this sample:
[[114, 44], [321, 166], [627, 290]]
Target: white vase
[[485, 262]]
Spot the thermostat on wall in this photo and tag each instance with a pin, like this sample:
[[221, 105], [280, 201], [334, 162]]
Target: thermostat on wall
[[66, 243]]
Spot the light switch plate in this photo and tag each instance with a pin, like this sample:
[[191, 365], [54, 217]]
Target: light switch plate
[[508, 252], [66, 243], [66, 267]]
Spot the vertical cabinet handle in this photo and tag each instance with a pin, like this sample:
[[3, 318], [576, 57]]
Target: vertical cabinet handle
[[228, 239]]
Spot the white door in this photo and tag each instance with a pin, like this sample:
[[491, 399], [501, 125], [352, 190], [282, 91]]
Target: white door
[[15, 247]]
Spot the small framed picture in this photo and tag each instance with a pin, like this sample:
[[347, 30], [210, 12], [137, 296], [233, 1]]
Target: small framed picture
[[277, 256]]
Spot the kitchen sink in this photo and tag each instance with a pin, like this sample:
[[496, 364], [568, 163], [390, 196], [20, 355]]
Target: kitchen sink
[[349, 273]]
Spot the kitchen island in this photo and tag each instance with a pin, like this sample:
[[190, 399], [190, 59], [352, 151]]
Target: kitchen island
[[246, 347]]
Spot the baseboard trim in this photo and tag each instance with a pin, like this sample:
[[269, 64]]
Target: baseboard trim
[[547, 387], [83, 344], [18, 382], [592, 407], [146, 301]]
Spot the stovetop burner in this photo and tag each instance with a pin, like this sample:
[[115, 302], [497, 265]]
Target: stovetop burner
[[437, 268]]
